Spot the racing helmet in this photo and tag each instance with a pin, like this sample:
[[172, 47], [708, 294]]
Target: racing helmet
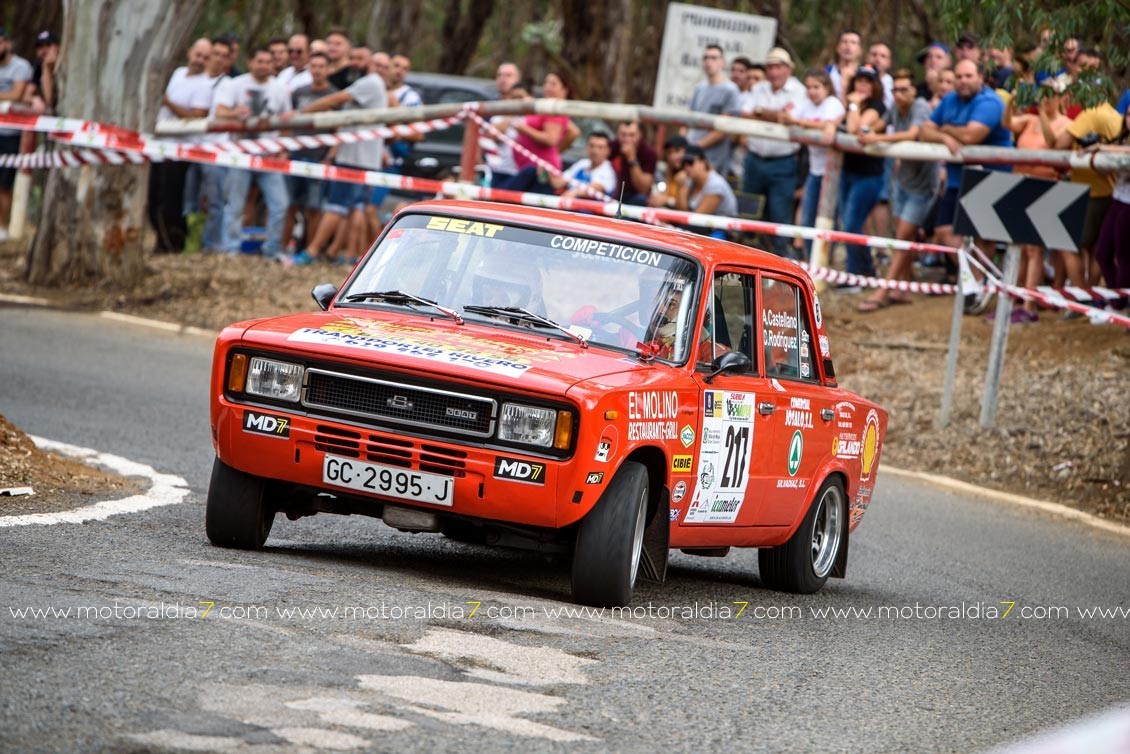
[[505, 279]]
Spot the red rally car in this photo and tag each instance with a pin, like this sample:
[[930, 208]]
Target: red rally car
[[555, 381]]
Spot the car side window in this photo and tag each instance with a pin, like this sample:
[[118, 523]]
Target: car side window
[[786, 335], [729, 321]]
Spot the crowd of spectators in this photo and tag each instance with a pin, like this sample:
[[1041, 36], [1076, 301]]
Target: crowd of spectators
[[970, 95], [964, 95]]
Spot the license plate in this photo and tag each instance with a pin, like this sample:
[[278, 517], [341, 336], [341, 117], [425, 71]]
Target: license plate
[[390, 481]]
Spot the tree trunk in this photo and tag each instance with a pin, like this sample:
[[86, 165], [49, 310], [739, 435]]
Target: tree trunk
[[461, 33], [114, 65], [591, 44], [392, 26]]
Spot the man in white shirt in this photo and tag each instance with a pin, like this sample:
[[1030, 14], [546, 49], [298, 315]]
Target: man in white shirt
[[295, 75], [347, 200], [188, 95], [770, 165], [595, 170], [849, 50], [256, 94]]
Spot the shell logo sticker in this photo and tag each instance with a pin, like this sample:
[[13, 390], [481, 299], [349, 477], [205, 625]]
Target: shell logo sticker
[[870, 444]]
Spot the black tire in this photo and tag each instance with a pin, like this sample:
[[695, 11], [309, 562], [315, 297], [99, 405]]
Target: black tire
[[610, 541], [802, 564], [238, 515]]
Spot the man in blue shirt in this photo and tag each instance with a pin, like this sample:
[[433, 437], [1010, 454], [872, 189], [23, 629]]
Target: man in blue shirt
[[970, 114]]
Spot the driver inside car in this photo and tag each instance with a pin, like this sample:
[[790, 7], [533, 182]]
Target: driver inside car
[[507, 281]]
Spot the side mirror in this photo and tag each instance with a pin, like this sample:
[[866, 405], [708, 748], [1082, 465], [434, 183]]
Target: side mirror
[[731, 361], [323, 294]]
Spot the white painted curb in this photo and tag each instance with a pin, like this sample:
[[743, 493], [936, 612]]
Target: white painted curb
[[1056, 509], [156, 324], [165, 489]]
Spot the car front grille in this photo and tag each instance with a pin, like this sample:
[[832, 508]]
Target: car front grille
[[391, 450], [399, 403]]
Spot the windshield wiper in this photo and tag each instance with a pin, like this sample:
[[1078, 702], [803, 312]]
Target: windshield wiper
[[525, 315], [406, 299]]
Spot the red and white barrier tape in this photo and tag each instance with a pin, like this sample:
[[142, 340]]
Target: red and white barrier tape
[[541, 163], [1051, 298], [99, 135], [836, 276], [72, 158]]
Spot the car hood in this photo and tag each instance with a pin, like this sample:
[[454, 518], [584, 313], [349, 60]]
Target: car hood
[[440, 347]]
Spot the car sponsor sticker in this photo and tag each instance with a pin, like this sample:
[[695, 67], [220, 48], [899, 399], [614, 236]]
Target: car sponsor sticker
[[517, 470], [466, 227], [686, 436], [266, 424], [602, 451], [678, 492], [437, 347], [870, 450], [652, 414], [594, 477], [725, 457], [675, 513], [796, 452], [817, 312], [682, 464]]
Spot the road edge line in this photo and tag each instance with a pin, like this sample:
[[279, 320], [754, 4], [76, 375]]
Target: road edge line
[[165, 489], [1056, 509], [157, 324]]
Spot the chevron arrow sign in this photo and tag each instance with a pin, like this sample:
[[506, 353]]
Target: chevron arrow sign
[[1013, 209]]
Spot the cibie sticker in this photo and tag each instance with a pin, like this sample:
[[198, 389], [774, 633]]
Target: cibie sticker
[[725, 453]]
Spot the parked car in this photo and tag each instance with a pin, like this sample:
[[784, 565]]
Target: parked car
[[438, 155], [553, 381]]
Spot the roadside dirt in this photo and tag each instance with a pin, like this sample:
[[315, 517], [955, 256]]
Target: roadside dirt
[[1063, 426], [58, 483]]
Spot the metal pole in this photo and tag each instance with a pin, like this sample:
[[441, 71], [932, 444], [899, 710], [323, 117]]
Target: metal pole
[[1000, 339], [21, 190], [826, 214], [955, 344], [470, 157]]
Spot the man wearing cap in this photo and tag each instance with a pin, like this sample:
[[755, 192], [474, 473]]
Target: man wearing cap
[[716, 96], [935, 58], [42, 93], [771, 165], [15, 73]]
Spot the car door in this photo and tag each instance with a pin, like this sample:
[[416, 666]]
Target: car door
[[802, 416], [727, 488]]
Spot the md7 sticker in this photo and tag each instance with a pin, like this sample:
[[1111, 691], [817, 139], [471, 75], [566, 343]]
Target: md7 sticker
[[725, 457], [266, 424]]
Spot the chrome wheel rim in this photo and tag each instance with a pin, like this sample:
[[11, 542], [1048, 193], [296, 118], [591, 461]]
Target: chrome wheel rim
[[827, 528], [637, 535]]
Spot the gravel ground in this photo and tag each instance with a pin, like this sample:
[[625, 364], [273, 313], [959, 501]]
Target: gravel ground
[[1063, 426]]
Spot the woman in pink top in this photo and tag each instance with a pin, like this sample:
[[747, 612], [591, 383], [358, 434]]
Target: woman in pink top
[[543, 134], [1032, 131]]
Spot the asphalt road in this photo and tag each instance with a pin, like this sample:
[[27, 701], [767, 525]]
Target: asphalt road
[[273, 668]]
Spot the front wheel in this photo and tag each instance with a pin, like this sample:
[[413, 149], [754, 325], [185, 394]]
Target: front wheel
[[238, 515], [802, 564], [610, 540]]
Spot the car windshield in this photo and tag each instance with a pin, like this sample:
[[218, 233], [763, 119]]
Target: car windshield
[[625, 297]]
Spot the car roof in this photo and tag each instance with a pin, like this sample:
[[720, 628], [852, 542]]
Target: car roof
[[470, 83], [709, 251]]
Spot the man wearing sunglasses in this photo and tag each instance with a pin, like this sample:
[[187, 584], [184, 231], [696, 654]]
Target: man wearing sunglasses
[[296, 75]]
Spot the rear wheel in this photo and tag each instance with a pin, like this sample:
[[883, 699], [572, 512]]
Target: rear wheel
[[610, 541], [803, 564], [237, 515]]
